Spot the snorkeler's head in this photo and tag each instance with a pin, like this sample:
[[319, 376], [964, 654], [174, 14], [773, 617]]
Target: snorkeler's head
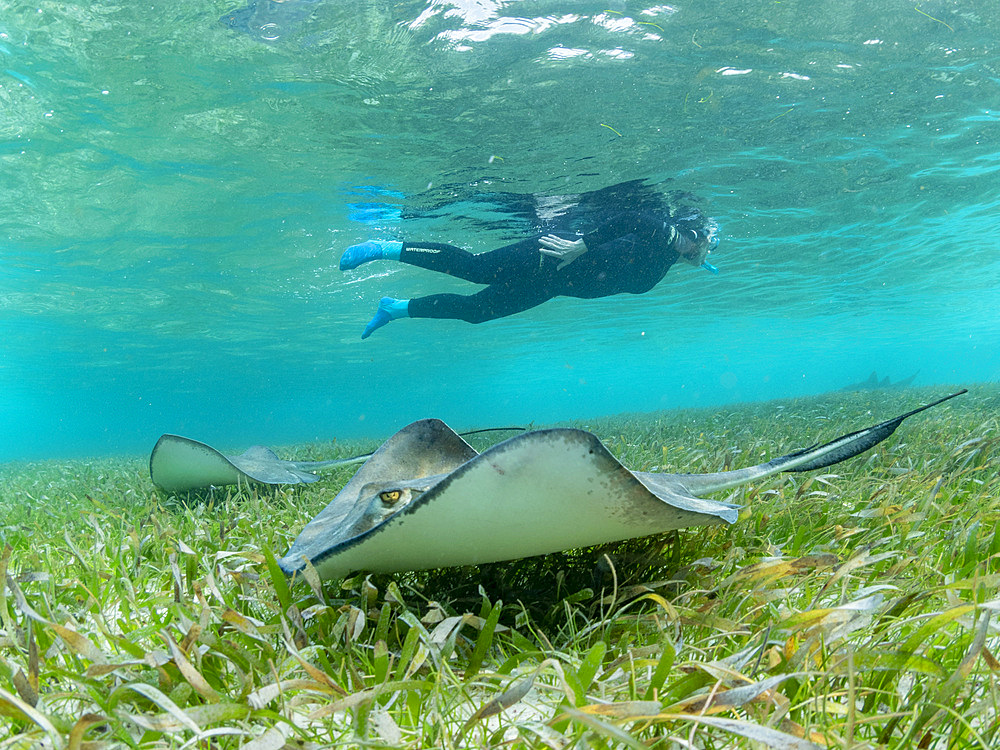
[[701, 230]]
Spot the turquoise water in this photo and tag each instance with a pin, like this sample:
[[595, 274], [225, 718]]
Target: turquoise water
[[177, 193]]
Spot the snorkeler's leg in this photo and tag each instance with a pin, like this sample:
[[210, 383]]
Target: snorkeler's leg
[[508, 264], [495, 301], [388, 309], [370, 250]]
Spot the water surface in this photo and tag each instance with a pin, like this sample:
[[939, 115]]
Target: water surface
[[178, 191]]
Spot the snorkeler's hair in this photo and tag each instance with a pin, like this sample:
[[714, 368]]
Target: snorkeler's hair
[[691, 218]]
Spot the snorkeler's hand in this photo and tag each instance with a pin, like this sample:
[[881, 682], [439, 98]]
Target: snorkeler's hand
[[566, 251]]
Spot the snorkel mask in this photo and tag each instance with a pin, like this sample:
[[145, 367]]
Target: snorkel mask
[[712, 240]]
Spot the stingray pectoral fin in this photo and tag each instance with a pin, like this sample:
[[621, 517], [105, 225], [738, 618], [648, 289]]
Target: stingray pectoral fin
[[816, 457], [671, 489], [179, 464]]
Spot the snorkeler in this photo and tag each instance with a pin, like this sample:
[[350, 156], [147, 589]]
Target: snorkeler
[[630, 253]]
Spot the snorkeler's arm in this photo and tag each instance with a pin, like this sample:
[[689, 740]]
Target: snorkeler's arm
[[566, 251]]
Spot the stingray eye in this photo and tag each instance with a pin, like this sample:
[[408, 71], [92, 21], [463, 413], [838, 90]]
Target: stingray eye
[[390, 497]]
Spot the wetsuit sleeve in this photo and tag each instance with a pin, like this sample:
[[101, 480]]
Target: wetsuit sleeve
[[627, 222]]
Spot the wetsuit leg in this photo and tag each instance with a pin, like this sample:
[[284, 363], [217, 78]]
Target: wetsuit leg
[[495, 301], [518, 262]]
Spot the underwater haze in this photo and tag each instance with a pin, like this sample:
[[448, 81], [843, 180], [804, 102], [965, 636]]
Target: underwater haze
[[179, 181]]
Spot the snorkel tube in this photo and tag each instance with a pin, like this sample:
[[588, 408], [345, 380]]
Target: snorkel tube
[[712, 237]]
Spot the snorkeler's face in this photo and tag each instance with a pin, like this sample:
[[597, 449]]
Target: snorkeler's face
[[693, 247], [703, 242]]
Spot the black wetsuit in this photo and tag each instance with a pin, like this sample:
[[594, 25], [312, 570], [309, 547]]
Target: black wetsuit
[[631, 253]]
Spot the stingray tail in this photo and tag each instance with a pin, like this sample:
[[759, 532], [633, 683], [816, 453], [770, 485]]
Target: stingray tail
[[814, 457], [853, 443]]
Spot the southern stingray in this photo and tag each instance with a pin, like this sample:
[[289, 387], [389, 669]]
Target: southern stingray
[[873, 383], [427, 499], [180, 464]]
